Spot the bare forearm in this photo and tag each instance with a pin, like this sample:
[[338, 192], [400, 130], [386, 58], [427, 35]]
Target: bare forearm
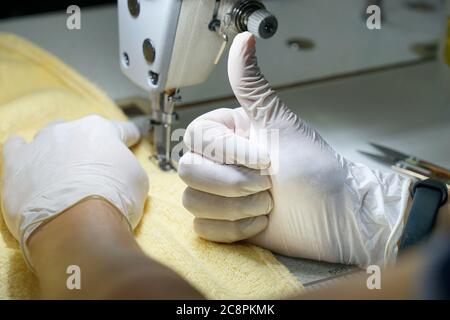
[[443, 218], [398, 282], [93, 237]]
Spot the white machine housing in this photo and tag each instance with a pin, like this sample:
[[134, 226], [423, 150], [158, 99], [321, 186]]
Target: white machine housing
[[166, 45], [185, 49]]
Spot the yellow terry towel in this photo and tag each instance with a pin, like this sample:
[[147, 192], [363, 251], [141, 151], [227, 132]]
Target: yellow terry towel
[[36, 88]]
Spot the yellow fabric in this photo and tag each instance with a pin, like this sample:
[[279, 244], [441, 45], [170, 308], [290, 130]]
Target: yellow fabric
[[35, 89]]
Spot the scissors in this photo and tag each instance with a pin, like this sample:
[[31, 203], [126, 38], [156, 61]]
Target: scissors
[[408, 164]]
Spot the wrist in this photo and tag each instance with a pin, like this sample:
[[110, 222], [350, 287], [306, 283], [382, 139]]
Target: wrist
[[405, 199], [90, 236], [427, 211], [79, 223], [407, 210], [383, 199], [443, 218]]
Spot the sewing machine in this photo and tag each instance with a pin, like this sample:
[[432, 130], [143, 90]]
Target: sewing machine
[[166, 45]]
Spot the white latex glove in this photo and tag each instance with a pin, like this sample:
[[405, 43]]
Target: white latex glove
[[65, 163], [321, 205]]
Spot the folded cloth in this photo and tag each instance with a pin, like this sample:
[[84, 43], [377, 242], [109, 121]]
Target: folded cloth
[[35, 89]]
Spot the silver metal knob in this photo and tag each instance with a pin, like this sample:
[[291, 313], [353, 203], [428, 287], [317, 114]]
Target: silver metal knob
[[262, 24]]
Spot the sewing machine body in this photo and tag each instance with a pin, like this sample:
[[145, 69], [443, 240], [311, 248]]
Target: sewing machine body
[[174, 31], [166, 45]]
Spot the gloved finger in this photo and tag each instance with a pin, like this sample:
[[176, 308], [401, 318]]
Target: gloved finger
[[128, 132], [209, 206], [49, 126], [229, 231], [234, 119], [11, 148], [213, 136], [250, 87], [208, 176]]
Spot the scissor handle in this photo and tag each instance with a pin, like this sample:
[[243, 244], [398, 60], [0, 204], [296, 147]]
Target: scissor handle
[[437, 170]]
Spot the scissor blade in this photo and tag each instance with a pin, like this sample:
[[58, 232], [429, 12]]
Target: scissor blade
[[379, 158], [396, 155]]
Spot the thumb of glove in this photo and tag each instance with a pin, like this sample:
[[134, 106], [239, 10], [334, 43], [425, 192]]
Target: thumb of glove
[[252, 90]]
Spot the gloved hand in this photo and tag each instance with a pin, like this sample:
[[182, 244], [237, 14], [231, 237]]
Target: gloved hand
[[315, 204], [65, 163]]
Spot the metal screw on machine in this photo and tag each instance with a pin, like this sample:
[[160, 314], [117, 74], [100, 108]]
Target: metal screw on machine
[[252, 16], [134, 7]]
